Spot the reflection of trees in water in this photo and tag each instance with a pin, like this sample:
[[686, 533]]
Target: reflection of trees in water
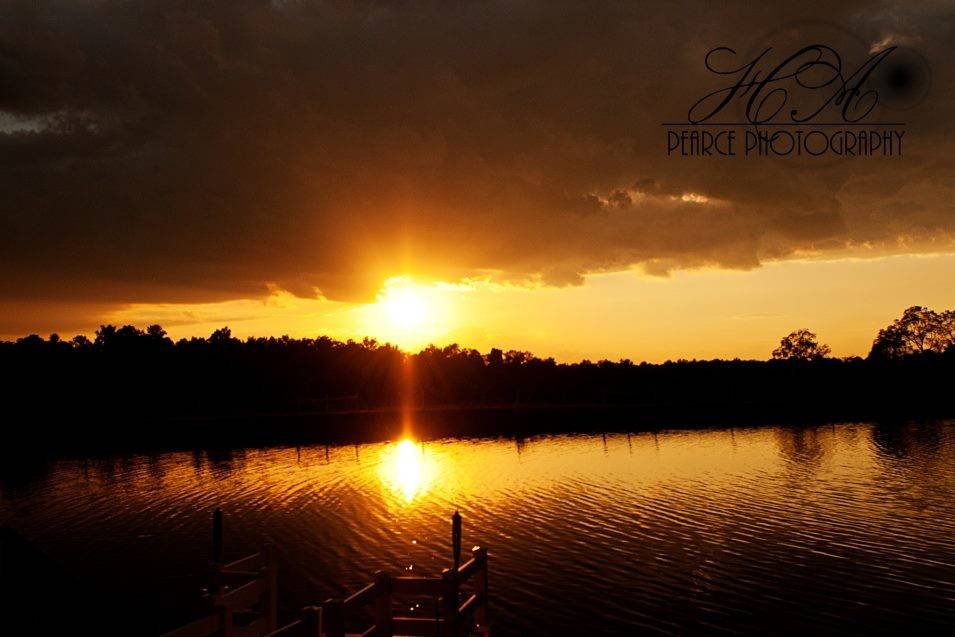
[[805, 447], [197, 462], [917, 459], [106, 470], [155, 467], [126, 468], [916, 443], [220, 462], [519, 443], [909, 441]]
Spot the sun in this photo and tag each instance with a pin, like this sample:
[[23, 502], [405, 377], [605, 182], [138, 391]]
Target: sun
[[409, 314], [405, 307]]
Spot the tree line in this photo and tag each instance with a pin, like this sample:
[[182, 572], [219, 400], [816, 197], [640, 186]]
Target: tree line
[[129, 373], [917, 331]]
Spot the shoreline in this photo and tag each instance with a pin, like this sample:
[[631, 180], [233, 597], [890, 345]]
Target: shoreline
[[67, 436]]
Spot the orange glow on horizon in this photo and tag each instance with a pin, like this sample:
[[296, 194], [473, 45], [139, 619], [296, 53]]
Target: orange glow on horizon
[[704, 313], [408, 314]]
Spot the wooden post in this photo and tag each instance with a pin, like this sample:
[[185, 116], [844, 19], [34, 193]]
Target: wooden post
[[215, 579], [480, 586], [226, 625], [270, 612], [456, 539], [312, 621], [383, 623], [217, 536], [333, 617], [449, 601]]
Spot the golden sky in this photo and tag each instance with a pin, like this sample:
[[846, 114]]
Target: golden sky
[[704, 313], [491, 173]]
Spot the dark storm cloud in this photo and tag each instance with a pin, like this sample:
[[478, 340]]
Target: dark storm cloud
[[171, 151]]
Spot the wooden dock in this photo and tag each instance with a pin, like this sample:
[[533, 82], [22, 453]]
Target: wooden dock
[[243, 599]]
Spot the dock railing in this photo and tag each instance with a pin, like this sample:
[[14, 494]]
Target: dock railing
[[243, 595], [457, 613]]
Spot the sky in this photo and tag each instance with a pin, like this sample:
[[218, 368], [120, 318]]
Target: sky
[[487, 173]]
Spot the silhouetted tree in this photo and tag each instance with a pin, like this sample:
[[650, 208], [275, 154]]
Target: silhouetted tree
[[223, 335], [81, 342], [918, 330], [127, 371], [800, 345], [945, 332], [104, 335]]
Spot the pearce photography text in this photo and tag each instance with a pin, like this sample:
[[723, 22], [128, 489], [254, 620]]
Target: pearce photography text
[[809, 103]]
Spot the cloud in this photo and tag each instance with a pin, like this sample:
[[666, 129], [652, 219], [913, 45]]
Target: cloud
[[173, 151]]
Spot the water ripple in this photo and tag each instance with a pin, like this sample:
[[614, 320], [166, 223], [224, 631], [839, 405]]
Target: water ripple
[[835, 529]]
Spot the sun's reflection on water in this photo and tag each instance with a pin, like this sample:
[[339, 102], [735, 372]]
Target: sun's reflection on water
[[406, 470]]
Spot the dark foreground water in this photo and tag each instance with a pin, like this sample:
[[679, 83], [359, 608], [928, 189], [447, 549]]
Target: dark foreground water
[[825, 529]]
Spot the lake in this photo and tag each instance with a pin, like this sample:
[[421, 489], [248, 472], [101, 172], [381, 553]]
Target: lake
[[846, 528]]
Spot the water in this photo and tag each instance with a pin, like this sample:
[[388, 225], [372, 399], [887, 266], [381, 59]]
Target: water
[[847, 528]]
